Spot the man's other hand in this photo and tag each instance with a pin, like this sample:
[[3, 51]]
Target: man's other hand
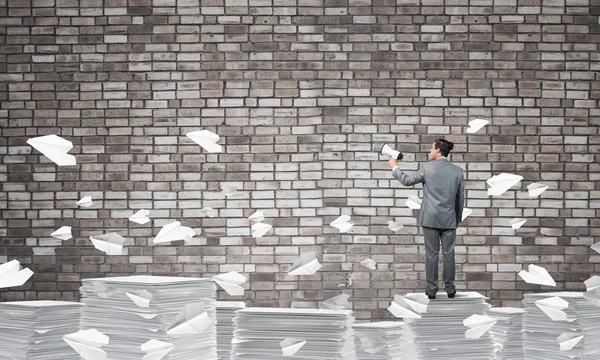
[[393, 162]]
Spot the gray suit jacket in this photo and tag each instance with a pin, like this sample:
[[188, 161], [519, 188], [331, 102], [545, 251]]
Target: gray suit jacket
[[443, 192]]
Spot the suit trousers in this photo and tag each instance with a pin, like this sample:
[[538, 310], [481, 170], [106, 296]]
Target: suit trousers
[[433, 237]]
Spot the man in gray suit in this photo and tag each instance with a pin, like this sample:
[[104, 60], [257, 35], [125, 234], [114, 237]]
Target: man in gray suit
[[441, 211]]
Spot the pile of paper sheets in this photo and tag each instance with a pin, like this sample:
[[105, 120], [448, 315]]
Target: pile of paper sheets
[[225, 314], [271, 333], [506, 333], [560, 325], [33, 330], [132, 310], [378, 340], [441, 334]]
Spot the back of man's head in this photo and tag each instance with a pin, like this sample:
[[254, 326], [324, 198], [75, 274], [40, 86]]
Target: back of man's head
[[444, 145]]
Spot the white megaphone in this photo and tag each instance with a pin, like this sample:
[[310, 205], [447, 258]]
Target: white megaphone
[[386, 150]]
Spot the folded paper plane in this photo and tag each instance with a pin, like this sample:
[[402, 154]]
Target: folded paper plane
[[478, 325], [141, 298], [209, 212], [516, 223], [192, 319], [413, 202], [230, 282], [206, 139], [592, 286], [500, 183], [596, 247], [537, 275], [370, 345], [140, 217], [64, 233], [476, 125], [260, 229], [54, 148], [229, 190], [257, 216], [306, 264], [85, 201], [342, 223], [369, 263], [409, 306], [87, 343], [173, 232], [553, 307], [11, 274], [568, 340], [155, 349], [111, 243], [338, 302], [536, 189], [394, 226], [290, 346], [466, 213]]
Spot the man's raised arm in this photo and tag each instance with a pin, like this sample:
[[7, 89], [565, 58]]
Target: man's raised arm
[[404, 178]]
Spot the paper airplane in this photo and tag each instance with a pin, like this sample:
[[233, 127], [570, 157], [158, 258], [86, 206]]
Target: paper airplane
[[466, 213], [500, 183], [553, 307], [516, 223], [257, 216], [85, 201], [231, 282], [140, 298], [394, 226], [413, 202], [369, 263], [592, 286], [155, 349], [192, 319], [103, 290], [87, 343], [209, 212], [536, 189], [229, 190], [111, 243], [140, 217], [54, 148], [478, 325], [596, 247], [206, 139], [568, 340], [259, 229], [306, 264], [476, 125], [173, 232], [290, 346], [537, 275], [370, 346], [11, 274], [64, 233], [409, 306], [342, 223], [338, 302]]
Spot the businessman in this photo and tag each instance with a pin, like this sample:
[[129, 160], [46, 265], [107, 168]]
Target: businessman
[[441, 211]]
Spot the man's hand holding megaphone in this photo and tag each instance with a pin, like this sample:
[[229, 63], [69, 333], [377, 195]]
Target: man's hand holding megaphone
[[393, 154]]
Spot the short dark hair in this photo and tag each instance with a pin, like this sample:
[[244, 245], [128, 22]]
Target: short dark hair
[[444, 145]]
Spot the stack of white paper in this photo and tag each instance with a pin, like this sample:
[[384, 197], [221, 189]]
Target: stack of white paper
[[132, 310], [33, 330], [378, 340], [506, 333], [440, 331], [311, 334], [550, 335], [225, 327]]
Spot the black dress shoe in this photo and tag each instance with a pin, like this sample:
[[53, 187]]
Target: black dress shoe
[[451, 296], [431, 296]]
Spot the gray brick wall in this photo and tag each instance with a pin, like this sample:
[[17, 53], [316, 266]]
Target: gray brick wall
[[303, 94]]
